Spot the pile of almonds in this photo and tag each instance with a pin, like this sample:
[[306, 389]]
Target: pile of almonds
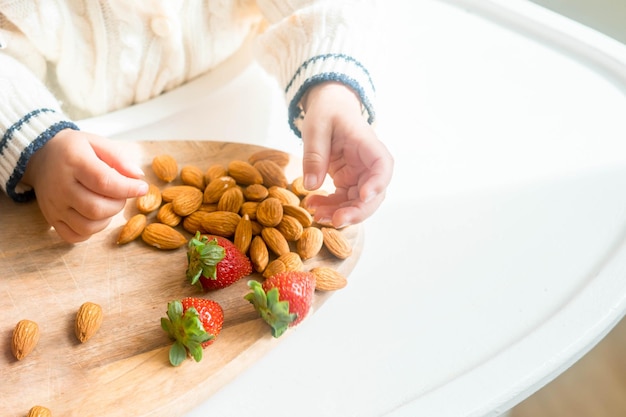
[[249, 202]]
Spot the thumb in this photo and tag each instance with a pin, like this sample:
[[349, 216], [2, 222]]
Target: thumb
[[316, 152]]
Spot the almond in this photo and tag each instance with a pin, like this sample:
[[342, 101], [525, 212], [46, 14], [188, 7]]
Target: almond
[[259, 255], [132, 229], [310, 242], [336, 243], [297, 187], [278, 157], [151, 200], [168, 216], [243, 234], [88, 321], [300, 213], [255, 192], [284, 195], [39, 411], [269, 212], [249, 208], [170, 193], [275, 241], [291, 228], [165, 167], [274, 267], [221, 223], [208, 207], [292, 261], [213, 172], [193, 176], [256, 227], [217, 187], [195, 222], [328, 279], [162, 236], [231, 200], [244, 173], [25, 338], [272, 173], [187, 202]]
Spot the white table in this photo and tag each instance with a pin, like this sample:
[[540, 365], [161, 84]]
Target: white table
[[507, 215]]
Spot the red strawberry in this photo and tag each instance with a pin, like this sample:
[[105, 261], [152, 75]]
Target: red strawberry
[[284, 299], [215, 262], [193, 324]]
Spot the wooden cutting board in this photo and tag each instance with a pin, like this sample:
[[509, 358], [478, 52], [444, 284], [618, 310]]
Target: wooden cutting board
[[123, 370]]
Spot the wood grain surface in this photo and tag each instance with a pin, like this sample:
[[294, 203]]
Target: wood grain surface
[[123, 370]]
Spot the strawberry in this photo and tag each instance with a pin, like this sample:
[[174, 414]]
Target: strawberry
[[215, 262], [284, 299], [193, 323]]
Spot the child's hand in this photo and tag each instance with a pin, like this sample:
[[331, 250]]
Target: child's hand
[[339, 141], [81, 181]]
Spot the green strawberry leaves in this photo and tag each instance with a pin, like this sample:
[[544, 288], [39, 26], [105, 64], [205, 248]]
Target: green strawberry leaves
[[273, 311], [203, 255], [186, 330]]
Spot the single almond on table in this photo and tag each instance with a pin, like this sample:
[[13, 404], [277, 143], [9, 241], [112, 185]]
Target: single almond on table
[[39, 411], [231, 200], [272, 173], [284, 195], [217, 187], [88, 321], [187, 202], [328, 279], [162, 236], [193, 176], [259, 254], [275, 240], [275, 267], [166, 215], [25, 338], [221, 223], [170, 193], [244, 173], [291, 228], [165, 167], [292, 261], [243, 234], [132, 229], [336, 243], [310, 242], [280, 158], [300, 213], [151, 200], [269, 212], [255, 192], [213, 172]]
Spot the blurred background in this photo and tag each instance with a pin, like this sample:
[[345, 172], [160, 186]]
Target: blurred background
[[596, 385]]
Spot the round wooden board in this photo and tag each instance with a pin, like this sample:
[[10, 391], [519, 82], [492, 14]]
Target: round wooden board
[[123, 370]]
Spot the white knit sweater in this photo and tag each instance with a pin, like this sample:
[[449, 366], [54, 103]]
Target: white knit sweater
[[62, 60]]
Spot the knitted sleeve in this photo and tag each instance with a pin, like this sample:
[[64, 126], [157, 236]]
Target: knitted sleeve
[[309, 42], [29, 117]]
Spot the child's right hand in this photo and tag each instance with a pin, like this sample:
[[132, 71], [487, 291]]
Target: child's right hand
[[81, 181]]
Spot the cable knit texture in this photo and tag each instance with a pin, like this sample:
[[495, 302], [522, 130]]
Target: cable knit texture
[[65, 60]]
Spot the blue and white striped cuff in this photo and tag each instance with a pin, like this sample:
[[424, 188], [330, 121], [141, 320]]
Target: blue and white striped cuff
[[20, 141], [329, 67]]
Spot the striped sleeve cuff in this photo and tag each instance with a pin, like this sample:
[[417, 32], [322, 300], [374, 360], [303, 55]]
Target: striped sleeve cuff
[[330, 67], [20, 141]]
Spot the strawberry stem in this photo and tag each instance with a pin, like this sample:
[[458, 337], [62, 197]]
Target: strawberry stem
[[203, 255], [187, 331], [273, 311]]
